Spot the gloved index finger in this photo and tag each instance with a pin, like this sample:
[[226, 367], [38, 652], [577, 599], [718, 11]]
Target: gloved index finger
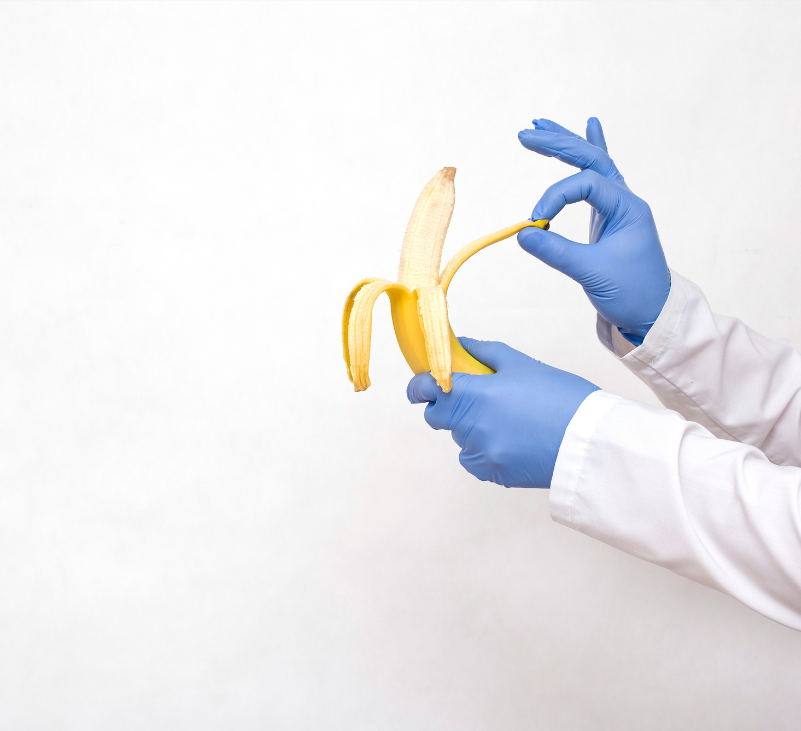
[[548, 126], [602, 194], [492, 353], [572, 150]]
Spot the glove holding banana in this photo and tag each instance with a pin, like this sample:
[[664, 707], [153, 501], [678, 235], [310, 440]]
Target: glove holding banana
[[418, 298]]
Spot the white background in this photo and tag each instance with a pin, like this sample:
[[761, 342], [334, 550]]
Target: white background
[[201, 525]]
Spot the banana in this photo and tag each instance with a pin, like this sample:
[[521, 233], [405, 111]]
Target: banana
[[418, 299]]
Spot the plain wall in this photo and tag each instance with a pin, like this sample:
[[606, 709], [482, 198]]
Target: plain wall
[[201, 525]]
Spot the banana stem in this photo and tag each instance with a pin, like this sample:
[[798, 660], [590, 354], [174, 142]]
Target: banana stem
[[475, 246]]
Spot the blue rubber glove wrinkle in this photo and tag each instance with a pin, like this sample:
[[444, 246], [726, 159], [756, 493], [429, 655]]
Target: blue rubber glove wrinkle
[[623, 271], [509, 425]]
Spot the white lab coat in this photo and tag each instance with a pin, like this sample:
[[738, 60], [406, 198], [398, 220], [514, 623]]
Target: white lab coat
[[709, 487]]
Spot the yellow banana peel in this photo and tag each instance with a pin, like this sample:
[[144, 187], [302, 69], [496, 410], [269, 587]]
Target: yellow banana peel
[[418, 299]]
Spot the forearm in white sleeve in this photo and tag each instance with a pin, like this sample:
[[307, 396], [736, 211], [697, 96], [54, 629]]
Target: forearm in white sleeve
[[716, 371], [644, 480]]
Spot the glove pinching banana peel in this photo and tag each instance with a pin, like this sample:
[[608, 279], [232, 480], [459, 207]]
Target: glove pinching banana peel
[[417, 299]]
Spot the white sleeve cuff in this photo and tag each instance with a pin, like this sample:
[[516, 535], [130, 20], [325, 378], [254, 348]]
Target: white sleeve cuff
[[570, 460], [658, 336], [645, 481]]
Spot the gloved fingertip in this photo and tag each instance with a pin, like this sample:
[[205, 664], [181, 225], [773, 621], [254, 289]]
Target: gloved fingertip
[[466, 342], [422, 389], [531, 139], [530, 238], [595, 133], [471, 345], [492, 353]]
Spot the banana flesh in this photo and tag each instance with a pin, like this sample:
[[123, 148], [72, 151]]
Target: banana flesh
[[418, 299]]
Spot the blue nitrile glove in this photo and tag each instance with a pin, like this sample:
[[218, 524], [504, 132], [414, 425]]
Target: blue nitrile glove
[[624, 272], [509, 424]]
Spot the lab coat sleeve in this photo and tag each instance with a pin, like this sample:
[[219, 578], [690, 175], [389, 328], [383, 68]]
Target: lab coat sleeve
[[644, 480], [719, 373]]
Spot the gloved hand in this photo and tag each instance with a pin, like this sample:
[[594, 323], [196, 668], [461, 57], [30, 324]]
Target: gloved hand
[[510, 424], [623, 271]]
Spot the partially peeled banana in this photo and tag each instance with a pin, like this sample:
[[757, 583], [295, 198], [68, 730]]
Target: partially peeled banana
[[417, 299]]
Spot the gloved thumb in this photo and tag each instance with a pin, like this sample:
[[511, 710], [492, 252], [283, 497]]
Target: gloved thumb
[[556, 251], [423, 389]]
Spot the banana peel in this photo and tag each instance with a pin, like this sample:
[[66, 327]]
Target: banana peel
[[418, 298]]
